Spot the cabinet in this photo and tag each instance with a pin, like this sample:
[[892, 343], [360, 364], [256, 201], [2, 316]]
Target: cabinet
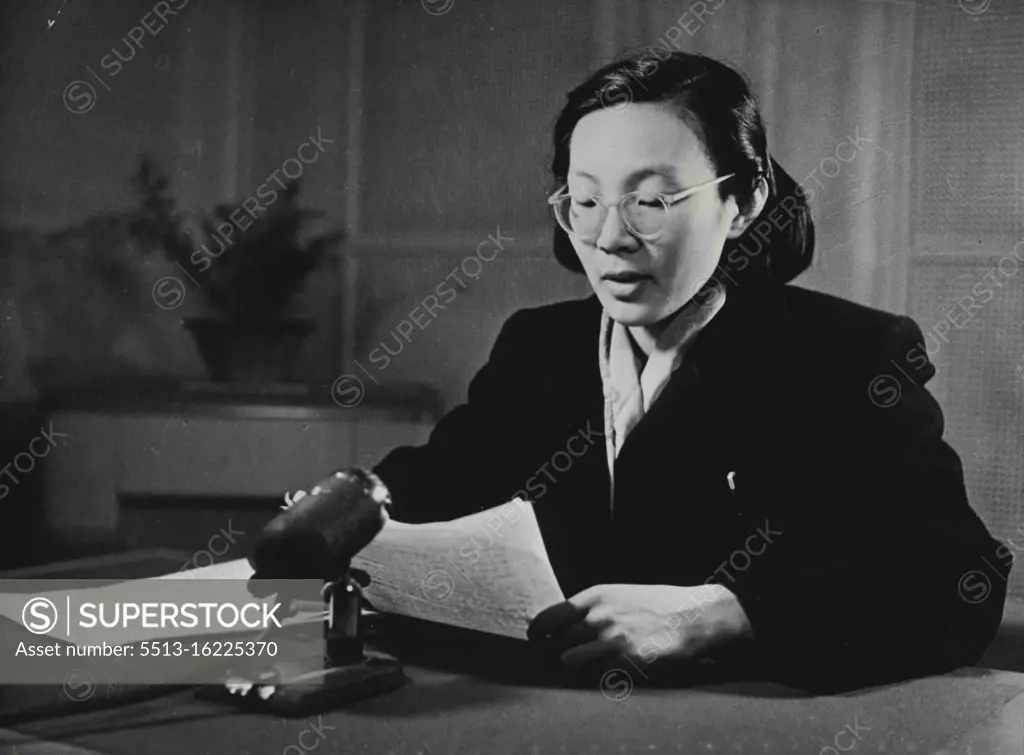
[[173, 472]]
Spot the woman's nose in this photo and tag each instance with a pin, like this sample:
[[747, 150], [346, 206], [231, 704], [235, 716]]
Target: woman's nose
[[614, 235]]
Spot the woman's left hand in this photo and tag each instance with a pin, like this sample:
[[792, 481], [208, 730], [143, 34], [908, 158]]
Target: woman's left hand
[[643, 623]]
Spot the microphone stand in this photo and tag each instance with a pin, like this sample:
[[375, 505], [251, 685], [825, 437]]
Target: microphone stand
[[317, 534], [346, 672]]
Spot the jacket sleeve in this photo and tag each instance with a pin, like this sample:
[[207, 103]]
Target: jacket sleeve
[[883, 571], [468, 463]]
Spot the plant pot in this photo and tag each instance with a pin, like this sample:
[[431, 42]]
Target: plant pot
[[249, 352]]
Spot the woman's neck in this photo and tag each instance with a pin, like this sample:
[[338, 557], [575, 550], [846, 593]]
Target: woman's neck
[[644, 337]]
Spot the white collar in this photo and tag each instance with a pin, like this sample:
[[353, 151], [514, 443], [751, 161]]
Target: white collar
[[629, 394]]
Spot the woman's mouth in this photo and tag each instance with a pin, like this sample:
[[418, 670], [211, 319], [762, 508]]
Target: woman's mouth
[[625, 276], [625, 284]]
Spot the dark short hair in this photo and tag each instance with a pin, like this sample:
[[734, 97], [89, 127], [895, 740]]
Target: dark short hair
[[716, 102]]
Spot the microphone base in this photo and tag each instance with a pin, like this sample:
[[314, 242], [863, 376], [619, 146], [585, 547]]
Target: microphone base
[[299, 690]]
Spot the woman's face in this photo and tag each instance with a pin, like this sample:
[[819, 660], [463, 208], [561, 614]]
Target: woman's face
[[646, 147]]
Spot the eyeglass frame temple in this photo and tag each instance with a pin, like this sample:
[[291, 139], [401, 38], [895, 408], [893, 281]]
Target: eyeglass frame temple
[[679, 196]]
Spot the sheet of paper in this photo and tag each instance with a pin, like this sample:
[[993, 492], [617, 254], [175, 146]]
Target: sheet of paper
[[237, 569], [488, 571]]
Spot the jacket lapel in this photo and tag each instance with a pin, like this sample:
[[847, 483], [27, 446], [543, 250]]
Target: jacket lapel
[[728, 398], [721, 411]]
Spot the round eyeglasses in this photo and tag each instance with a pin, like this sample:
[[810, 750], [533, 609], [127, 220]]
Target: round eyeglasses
[[643, 212]]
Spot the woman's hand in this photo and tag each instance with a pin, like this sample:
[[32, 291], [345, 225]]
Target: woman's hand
[[643, 623]]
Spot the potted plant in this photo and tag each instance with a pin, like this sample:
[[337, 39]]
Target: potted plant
[[250, 272]]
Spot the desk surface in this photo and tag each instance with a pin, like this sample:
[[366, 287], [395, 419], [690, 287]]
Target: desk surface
[[437, 712], [496, 700]]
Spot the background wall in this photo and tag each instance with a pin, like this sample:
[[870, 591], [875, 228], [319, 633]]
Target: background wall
[[440, 116], [903, 119]]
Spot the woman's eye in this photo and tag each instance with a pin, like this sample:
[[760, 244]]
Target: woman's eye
[[648, 201], [585, 203]]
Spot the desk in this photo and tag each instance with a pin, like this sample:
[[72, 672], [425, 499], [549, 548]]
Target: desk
[[441, 712], [508, 705]]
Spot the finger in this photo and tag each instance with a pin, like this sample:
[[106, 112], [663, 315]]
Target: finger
[[557, 618], [590, 652], [587, 599]]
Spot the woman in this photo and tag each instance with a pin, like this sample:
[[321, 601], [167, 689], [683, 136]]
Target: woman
[[749, 475]]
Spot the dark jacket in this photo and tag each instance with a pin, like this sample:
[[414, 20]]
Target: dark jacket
[[848, 540]]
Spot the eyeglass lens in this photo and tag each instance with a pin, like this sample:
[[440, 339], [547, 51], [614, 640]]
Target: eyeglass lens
[[643, 214]]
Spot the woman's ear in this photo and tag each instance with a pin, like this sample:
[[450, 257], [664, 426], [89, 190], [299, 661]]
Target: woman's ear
[[746, 216]]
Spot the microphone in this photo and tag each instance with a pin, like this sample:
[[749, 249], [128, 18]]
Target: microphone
[[319, 532]]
